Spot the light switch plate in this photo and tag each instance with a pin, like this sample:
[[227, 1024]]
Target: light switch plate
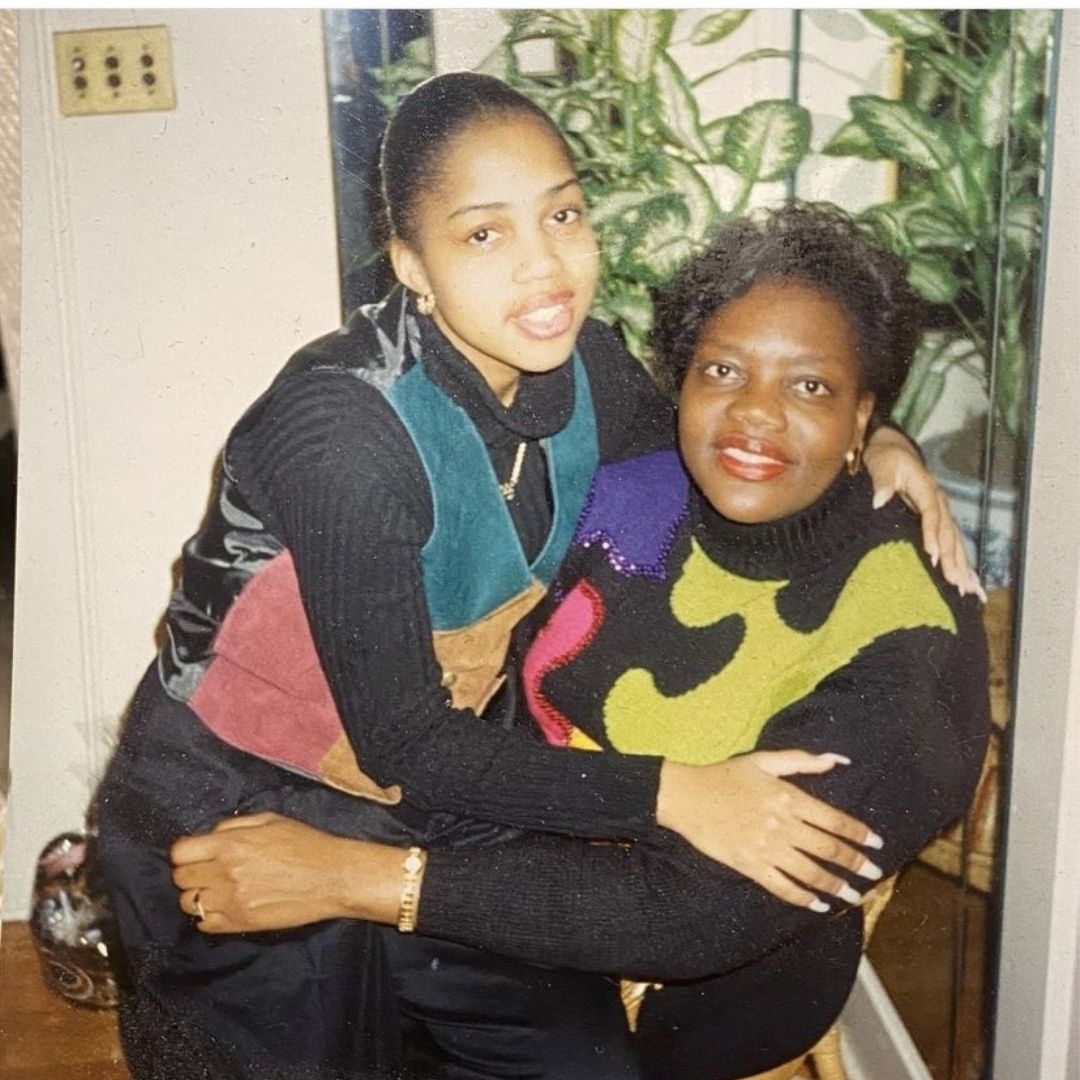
[[126, 69]]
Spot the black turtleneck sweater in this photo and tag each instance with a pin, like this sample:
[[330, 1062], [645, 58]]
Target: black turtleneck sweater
[[324, 462], [908, 706]]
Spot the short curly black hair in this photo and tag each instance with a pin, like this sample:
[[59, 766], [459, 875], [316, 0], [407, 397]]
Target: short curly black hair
[[812, 244]]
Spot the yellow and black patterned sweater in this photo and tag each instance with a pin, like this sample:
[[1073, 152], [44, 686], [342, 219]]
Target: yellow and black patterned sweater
[[682, 634]]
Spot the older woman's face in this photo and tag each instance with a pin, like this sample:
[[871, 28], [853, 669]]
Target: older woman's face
[[771, 404]]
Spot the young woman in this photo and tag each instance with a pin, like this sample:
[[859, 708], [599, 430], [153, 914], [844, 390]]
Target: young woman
[[389, 513], [745, 598]]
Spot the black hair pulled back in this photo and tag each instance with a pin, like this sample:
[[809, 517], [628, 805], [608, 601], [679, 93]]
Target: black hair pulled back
[[808, 244], [423, 126]]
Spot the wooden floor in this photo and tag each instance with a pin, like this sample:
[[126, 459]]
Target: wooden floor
[[42, 1037]]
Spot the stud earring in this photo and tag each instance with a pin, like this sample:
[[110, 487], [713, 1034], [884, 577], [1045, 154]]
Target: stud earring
[[425, 303], [853, 459]]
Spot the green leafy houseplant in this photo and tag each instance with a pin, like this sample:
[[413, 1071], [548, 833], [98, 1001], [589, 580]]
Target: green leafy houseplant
[[633, 118], [968, 137], [644, 153]]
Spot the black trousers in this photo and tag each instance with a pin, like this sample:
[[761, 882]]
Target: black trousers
[[337, 1000], [472, 1015]]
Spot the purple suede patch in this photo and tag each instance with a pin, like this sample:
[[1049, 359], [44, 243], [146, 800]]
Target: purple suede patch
[[634, 510]]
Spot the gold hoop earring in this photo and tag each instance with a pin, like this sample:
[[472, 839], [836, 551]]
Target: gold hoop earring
[[425, 303], [853, 459]]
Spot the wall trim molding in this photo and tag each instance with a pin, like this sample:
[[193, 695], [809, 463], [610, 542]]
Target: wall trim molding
[[68, 337], [875, 1043], [1037, 988]]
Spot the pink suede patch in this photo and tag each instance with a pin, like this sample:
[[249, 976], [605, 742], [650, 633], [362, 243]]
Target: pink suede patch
[[265, 692], [567, 634]]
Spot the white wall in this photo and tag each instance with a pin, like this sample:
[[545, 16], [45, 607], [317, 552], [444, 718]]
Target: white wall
[[9, 198], [172, 261]]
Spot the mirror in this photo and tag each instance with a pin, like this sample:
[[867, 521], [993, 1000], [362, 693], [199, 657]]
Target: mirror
[[931, 126]]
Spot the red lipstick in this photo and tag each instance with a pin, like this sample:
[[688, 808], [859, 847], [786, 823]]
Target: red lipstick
[[750, 459]]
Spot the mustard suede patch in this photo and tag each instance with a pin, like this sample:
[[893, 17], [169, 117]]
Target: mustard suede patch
[[774, 665], [580, 741]]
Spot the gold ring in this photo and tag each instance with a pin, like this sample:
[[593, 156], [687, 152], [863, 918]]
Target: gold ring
[[196, 903]]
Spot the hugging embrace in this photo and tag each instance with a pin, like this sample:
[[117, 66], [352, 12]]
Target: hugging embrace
[[509, 724]]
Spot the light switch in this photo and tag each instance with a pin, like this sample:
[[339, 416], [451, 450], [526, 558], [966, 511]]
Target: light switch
[[127, 69]]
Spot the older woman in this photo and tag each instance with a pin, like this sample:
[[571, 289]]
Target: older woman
[[744, 598]]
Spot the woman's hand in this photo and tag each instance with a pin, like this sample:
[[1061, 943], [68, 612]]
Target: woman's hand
[[268, 872], [742, 814], [896, 469]]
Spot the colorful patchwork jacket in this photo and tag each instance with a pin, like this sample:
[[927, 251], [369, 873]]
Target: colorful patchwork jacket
[[239, 649]]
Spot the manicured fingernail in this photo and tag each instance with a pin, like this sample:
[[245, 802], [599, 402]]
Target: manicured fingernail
[[839, 759], [979, 591], [874, 841], [819, 906], [935, 555], [849, 895], [880, 499], [869, 870]]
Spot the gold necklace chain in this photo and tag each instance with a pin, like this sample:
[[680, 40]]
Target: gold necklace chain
[[509, 487]]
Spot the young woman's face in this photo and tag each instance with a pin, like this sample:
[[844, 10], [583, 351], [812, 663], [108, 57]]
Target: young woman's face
[[505, 247], [771, 402]]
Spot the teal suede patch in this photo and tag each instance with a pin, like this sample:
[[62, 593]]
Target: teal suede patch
[[473, 562]]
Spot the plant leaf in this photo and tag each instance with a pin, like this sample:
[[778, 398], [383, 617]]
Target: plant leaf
[[933, 278], [1011, 382], [570, 27], [921, 403], [616, 203], [640, 35], [923, 87], [632, 306], [700, 202], [904, 133], [912, 26], [1023, 226], [527, 25], [714, 133], [915, 223], [1026, 87], [930, 227], [767, 140], [852, 140], [677, 111], [991, 105], [967, 189], [658, 243], [959, 69], [1033, 26], [716, 27]]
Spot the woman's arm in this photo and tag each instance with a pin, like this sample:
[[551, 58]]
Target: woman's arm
[[326, 459], [326, 462], [911, 712], [651, 910], [897, 468]]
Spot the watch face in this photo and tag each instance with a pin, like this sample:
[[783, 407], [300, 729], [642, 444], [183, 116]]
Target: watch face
[[413, 864]]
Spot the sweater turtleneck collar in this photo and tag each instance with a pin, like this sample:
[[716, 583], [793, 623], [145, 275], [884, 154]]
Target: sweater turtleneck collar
[[542, 406], [802, 541]]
